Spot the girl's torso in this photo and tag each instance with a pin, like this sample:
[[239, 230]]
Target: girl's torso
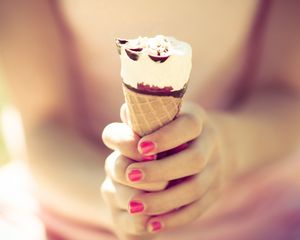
[[218, 31]]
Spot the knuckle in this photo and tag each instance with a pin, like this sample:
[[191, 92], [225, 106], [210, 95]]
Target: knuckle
[[106, 189], [156, 206], [106, 134], [114, 166], [158, 202], [119, 166], [109, 162], [138, 226], [119, 171], [119, 136]]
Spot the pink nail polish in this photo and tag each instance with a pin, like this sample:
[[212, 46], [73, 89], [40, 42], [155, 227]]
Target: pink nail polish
[[135, 175], [136, 207], [147, 147], [149, 158], [155, 226]]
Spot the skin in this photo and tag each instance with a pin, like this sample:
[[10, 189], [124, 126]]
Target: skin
[[224, 146], [162, 203], [211, 163]]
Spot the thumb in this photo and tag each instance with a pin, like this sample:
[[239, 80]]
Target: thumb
[[124, 113]]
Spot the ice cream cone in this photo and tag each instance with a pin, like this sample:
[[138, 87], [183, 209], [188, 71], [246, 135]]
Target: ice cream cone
[[148, 113], [155, 72]]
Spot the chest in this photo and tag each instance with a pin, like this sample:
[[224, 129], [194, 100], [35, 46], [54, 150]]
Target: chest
[[217, 31]]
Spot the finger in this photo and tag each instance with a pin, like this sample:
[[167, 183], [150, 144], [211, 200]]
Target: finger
[[120, 137], [126, 227], [123, 113], [183, 215], [117, 194], [186, 127], [185, 192], [185, 163], [115, 167], [129, 224]]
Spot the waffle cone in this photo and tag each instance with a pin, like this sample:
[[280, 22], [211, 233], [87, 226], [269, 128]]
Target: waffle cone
[[148, 113]]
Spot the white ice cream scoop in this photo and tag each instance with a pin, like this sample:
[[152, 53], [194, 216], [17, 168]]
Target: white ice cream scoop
[[158, 63]]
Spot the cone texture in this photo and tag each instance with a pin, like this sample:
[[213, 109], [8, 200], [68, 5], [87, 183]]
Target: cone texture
[[148, 113]]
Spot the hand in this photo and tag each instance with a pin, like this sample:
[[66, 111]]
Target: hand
[[194, 174]]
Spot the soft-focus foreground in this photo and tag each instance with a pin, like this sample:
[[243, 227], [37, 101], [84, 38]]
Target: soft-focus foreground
[[16, 222], [3, 102]]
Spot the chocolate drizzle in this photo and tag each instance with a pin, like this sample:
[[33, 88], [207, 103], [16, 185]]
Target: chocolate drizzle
[[132, 54], [152, 88], [136, 49], [176, 94], [160, 59], [120, 42], [157, 53]]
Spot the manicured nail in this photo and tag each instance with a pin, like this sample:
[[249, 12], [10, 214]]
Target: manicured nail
[[155, 226], [135, 175], [149, 158], [136, 207], [147, 147]]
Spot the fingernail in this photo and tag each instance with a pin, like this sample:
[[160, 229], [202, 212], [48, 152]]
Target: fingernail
[[135, 207], [135, 175], [155, 226], [147, 147], [149, 158]]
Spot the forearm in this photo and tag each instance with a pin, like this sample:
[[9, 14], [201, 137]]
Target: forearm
[[263, 129], [68, 172]]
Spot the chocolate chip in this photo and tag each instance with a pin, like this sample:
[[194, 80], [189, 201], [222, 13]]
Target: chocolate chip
[[121, 41], [159, 58], [136, 49], [118, 45], [132, 55]]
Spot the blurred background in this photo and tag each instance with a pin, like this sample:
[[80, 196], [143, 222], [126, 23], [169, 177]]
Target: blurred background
[[3, 102]]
